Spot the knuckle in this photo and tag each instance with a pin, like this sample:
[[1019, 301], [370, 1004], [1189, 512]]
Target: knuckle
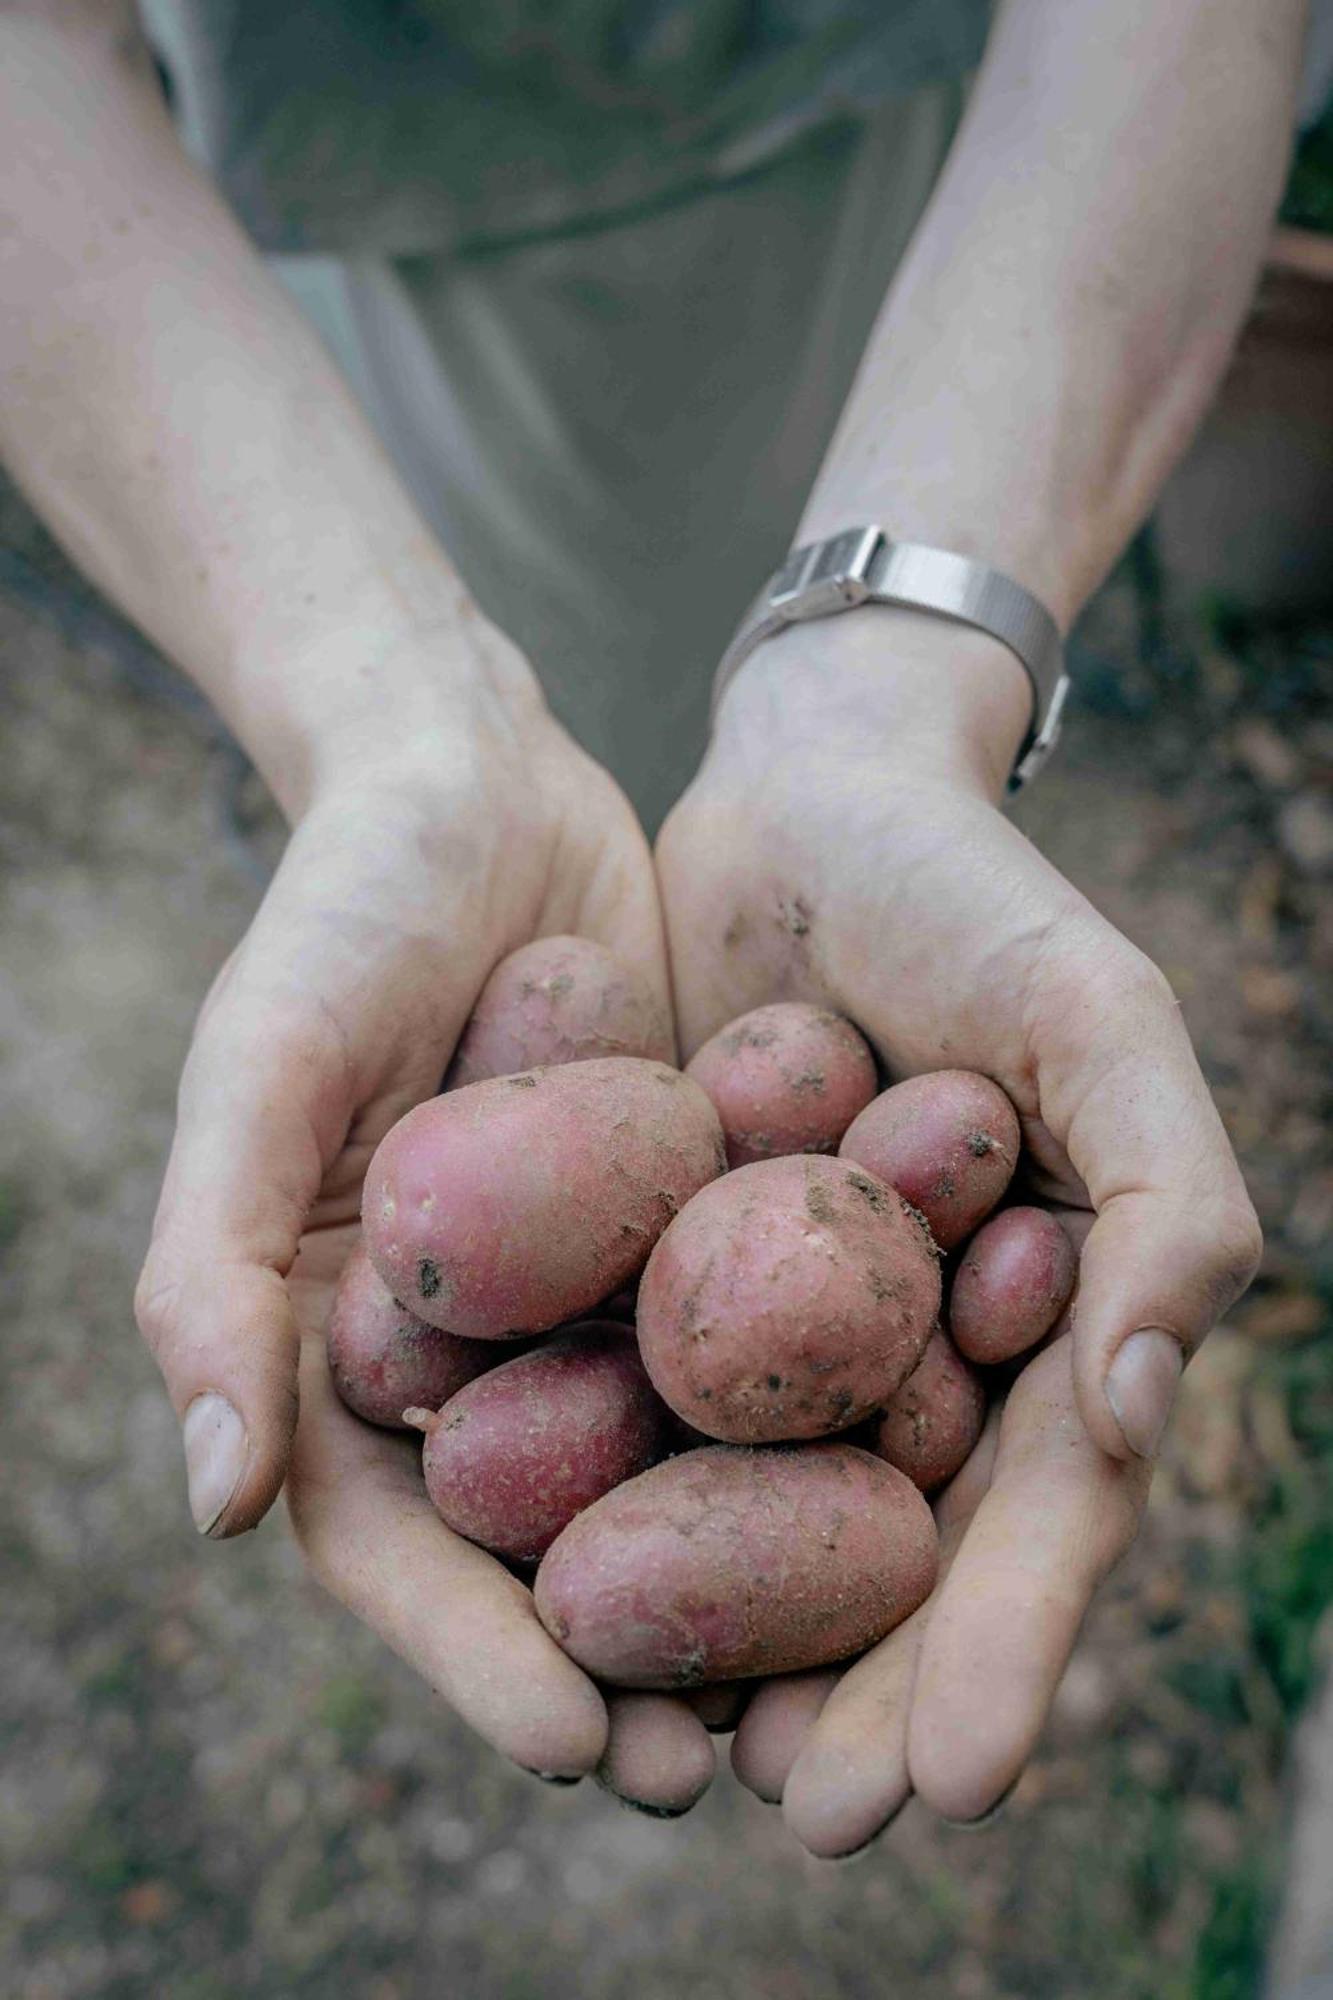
[[1236, 1244], [157, 1301]]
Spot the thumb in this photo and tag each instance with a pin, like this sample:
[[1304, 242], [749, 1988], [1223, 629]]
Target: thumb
[[261, 1110], [1176, 1239]]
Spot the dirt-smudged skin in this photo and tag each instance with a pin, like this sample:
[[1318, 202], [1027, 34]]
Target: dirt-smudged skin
[[383, 1359], [560, 1000], [1016, 1278], [518, 1203], [726, 1563], [787, 1300], [932, 1423], [515, 1456], [948, 1141], [788, 1078]]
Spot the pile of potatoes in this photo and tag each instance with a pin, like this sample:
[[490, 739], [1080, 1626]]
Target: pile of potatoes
[[721, 1475]]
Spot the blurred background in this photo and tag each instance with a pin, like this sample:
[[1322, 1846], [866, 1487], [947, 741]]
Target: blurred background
[[214, 1783]]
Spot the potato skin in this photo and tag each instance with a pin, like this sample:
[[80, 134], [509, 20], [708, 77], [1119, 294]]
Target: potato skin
[[517, 1454], [517, 1203], [787, 1300], [788, 1078], [383, 1359], [1016, 1278], [559, 1000], [727, 1563], [948, 1141], [931, 1424]]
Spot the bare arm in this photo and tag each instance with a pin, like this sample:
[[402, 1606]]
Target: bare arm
[[187, 438], [1071, 297], [182, 430], [1063, 315]]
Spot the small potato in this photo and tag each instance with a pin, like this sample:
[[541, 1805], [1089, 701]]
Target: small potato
[[515, 1204], [788, 1078], [721, 1706], [932, 1423], [382, 1359], [1015, 1280], [560, 1000], [515, 1456], [728, 1563], [787, 1300], [948, 1141]]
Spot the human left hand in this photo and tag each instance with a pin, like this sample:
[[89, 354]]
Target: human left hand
[[842, 844]]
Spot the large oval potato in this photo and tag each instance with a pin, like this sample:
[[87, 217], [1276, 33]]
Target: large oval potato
[[382, 1358], [788, 1078], [514, 1204], [931, 1424], [787, 1300], [560, 1000], [948, 1141], [1016, 1278], [516, 1455], [726, 1563]]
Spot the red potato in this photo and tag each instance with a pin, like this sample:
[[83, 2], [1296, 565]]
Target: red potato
[[931, 1425], [721, 1706], [787, 1300], [521, 1202], [516, 1455], [560, 1000], [729, 1563], [1015, 1280], [948, 1141], [788, 1078], [382, 1359]]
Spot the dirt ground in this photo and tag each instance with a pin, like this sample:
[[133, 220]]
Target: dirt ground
[[214, 1784]]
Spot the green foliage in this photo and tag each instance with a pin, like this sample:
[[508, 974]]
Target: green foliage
[[1288, 1571], [1229, 1961], [352, 1710], [1308, 202]]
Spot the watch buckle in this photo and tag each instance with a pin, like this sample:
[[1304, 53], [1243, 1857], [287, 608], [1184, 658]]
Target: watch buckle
[[826, 576]]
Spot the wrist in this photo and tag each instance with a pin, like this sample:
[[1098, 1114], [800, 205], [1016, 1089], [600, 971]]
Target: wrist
[[382, 693], [923, 695]]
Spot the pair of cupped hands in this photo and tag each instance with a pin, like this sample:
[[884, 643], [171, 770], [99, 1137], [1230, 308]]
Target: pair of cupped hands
[[842, 843]]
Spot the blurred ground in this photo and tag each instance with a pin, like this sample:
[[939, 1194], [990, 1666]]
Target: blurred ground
[[215, 1785]]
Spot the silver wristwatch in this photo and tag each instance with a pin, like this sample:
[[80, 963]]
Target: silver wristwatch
[[862, 566]]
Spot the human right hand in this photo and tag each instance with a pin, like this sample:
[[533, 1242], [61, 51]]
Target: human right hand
[[416, 861]]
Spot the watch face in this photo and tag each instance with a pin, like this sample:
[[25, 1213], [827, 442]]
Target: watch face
[[826, 576]]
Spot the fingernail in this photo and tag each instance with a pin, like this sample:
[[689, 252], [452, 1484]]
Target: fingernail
[[1141, 1387], [216, 1450], [864, 1846], [551, 1777], [989, 1817], [650, 1812]]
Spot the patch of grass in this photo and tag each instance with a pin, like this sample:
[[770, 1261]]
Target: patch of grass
[[352, 1709], [13, 1211], [1308, 201], [1285, 1576], [1287, 1569], [1229, 1961]]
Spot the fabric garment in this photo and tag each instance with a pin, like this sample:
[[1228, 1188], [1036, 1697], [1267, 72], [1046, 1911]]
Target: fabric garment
[[603, 308], [408, 126], [614, 433], [601, 272]]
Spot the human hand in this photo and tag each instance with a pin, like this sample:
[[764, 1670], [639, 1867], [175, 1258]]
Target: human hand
[[842, 844], [415, 863]]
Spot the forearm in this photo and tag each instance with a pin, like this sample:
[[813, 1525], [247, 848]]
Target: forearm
[[1072, 294], [182, 430]]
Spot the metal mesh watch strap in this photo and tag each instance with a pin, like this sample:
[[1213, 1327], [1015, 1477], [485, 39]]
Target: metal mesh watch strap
[[862, 566]]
